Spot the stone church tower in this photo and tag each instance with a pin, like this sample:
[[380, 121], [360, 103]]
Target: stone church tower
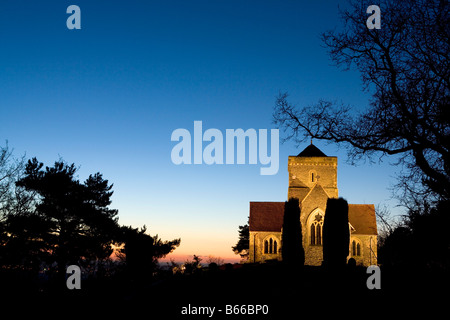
[[312, 180]]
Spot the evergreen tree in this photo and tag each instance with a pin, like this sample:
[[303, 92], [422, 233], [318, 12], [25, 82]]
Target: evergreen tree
[[74, 218], [141, 251], [292, 248], [243, 244], [336, 234]]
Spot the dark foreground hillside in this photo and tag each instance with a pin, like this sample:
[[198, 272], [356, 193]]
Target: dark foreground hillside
[[273, 289]]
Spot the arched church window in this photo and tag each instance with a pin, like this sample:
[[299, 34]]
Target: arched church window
[[270, 246], [356, 248], [316, 230], [319, 234]]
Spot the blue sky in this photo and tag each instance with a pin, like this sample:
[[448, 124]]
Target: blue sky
[[107, 98]]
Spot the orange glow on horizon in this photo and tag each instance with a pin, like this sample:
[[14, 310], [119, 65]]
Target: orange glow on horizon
[[186, 254], [181, 258]]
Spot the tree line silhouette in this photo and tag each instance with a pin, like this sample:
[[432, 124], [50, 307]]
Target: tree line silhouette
[[49, 220]]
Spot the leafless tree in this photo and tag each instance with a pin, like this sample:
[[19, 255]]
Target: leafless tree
[[217, 260], [405, 67], [13, 199]]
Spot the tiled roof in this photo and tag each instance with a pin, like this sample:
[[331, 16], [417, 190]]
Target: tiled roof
[[266, 216], [362, 218]]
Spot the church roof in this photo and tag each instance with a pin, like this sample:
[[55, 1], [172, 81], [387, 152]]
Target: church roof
[[311, 151], [362, 218], [266, 216]]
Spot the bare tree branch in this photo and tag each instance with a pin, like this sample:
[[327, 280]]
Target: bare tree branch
[[407, 62]]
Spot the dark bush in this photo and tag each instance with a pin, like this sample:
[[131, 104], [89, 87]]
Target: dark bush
[[336, 235]]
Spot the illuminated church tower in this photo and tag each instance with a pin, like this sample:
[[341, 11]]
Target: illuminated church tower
[[312, 180]]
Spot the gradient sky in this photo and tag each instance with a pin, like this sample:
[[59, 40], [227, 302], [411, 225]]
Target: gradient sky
[[107, 98]]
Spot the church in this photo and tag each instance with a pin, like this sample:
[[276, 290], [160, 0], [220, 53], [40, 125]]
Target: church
[[312, 179]]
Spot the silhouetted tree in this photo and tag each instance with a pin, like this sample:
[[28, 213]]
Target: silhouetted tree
[[141, 251], [405, 65], [74, 219], [336, 234], [25, 242], [421, 241], [396, 249], [174, 266], [243, 244], [431, 239], [291, 241], [9, 170], [213, 267], [13, 200], [192, 266], [217, 260]]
